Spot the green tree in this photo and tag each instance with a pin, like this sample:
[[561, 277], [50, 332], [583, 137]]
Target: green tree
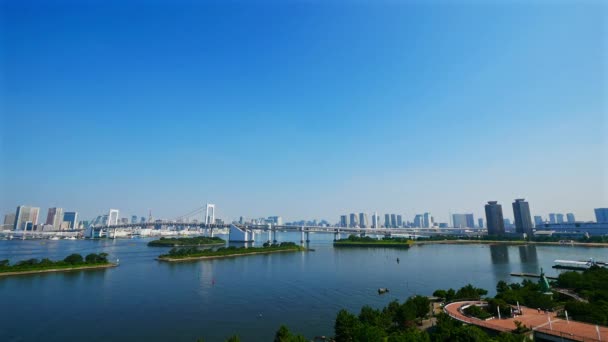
[[73, 259], [4, 263], [345, 326]]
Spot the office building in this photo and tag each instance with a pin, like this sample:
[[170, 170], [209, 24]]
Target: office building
[[343, 221], [54, 217], [480, 222], [393, 221], [601, 215], [275, 220], [142, 220], [399, 221], [113, 217], [538, 220], [71, 218], [463, 221], [354, 221], [570, 218], [459, 221], [494, 218], [559, 218], [427, 220], [552, 218], [387, 220], [9, 219], [25, 214], [523, 220], [363, 220], [375, 220], [418, 221], [133, 219]]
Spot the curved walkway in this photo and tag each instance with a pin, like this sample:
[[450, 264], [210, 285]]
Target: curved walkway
[[546, 323]]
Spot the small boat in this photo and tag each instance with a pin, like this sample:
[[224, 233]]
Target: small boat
[[54, 238], [70, 238], [382, 290]]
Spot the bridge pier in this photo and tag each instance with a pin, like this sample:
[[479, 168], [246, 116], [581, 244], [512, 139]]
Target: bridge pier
[[274, 236], [301, 236], [307, 237], [336, 233], [269, 236]]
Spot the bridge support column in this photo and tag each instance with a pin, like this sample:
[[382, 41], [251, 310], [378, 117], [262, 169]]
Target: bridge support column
[[307, 236], [336, 233], [211, 232], [269, 236], [274, 236]]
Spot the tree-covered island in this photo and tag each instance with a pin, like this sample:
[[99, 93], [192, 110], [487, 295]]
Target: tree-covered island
[[193, 253], [187, 241], [70, 263], [366, 241]]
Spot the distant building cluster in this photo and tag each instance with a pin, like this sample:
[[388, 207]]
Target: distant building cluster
[[26, 218]]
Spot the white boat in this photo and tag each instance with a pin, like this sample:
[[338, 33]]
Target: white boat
[[54, 238], [70, 238]]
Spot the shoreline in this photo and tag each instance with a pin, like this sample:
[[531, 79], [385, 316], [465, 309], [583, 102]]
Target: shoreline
[[204, 257], [498, 242], [55, 270], [373, 245], [203, 245]]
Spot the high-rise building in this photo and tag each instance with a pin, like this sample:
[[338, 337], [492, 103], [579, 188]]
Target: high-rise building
[[363, 220], [343, 221], [142, 220], [275, 220], [470, 220], [418, 221], [133, 219], [523, 220], [25, 214], [375, 220], [427, 220], [538, 220], [354, 222], [559, 218], [54, 218], [393, 221], [9, 219], [71, 218], [387, 220], [601, 215], [570, 218], [399, 221], [552, 218], [459, 221], [494, 218], [507, 223], [480, 222]]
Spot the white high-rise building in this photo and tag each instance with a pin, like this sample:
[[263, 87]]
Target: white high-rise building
[[427, 221], [25, 215], [54, 217]]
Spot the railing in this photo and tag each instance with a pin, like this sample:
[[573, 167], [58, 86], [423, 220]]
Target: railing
[[565, 336]]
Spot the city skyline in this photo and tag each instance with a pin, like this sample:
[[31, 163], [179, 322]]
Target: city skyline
[[294, 116]]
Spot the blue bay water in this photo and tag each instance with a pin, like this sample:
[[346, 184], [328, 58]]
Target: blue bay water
[[144, 299]]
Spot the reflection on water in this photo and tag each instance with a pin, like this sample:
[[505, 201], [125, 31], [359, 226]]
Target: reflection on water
[[499, 254], [249, 296]]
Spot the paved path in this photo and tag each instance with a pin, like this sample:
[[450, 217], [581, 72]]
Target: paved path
[[534, 319]]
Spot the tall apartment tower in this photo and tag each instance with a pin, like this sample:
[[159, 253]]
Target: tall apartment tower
[[25, 215], [54, 217], [523, 220], [343, 221], [570, 218], [387, 220], [353, 220], [601, 215], [363, 223], [480, 222], [494, 218]]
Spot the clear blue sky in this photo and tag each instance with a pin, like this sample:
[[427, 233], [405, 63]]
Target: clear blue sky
[[304, 109]]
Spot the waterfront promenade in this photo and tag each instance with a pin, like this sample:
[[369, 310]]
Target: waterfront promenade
[[542, 322]]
